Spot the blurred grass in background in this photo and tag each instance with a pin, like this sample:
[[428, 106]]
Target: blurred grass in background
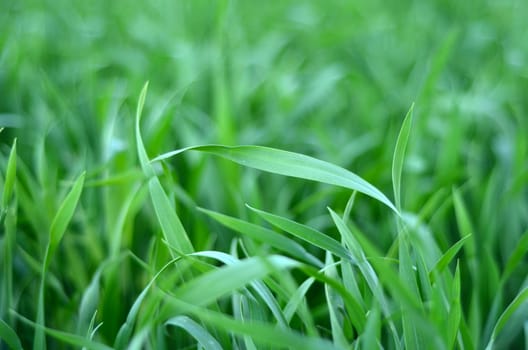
[[331, 79]]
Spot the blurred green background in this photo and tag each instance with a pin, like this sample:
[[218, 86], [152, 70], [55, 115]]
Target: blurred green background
[[331, 79]]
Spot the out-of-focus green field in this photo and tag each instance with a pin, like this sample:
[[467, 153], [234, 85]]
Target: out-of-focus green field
[[214, 247]]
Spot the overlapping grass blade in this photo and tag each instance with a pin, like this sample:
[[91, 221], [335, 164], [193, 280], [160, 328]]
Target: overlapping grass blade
[[446, 258], [289, 164], [9, 336], [57, 230], [172, 228], [307, 234], [334, 303], [264, 235], [259, 286], [399, 154], [206, 340], [125, 332], [204, 289], [260, 332]]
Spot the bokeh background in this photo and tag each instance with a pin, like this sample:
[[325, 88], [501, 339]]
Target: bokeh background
[[331, 79]]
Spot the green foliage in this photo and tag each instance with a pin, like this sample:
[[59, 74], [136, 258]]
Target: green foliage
[[243, 203]]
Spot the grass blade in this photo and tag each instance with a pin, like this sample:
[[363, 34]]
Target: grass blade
[[399, 154], [289, 164], [9, 336], [9, 183], [63, 217], [172, 228], [57, 230], [447, 258], [260, 332], [307, 234], [262, 234], [206, 340], [521, 300], [210, 286]]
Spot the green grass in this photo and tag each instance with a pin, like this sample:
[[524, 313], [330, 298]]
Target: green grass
[[244, 175]]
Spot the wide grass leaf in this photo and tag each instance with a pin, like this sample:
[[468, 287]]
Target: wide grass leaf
[[9, 336], [289, 164], [210, 286], [399, 154], [206, 340]]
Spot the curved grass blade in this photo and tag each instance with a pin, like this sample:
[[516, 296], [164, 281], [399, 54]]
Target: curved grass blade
[[171, 226], [521, 300], [260, 332], [259, 287], [210, 286], [399, 154], [307, 234], [57, 230], [125, 332], [9, 336], [446, 258], [206, 340], [262, 234], [289, 164]]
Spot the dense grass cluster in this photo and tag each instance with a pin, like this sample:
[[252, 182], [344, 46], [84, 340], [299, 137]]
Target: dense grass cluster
[[303, 175]]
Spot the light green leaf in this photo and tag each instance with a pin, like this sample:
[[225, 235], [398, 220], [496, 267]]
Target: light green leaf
[[210, 286], [289, 164], [399, 154]]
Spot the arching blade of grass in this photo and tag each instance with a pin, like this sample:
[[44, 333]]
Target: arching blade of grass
[[172, 228], [125, 332], [264, 235], [519, 304], [399, 154], [206, 340], [260, 332], [57, 230], [289, 164], [9, 336], [210, 286], [448, 256], [307, 234], [259, 286]]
